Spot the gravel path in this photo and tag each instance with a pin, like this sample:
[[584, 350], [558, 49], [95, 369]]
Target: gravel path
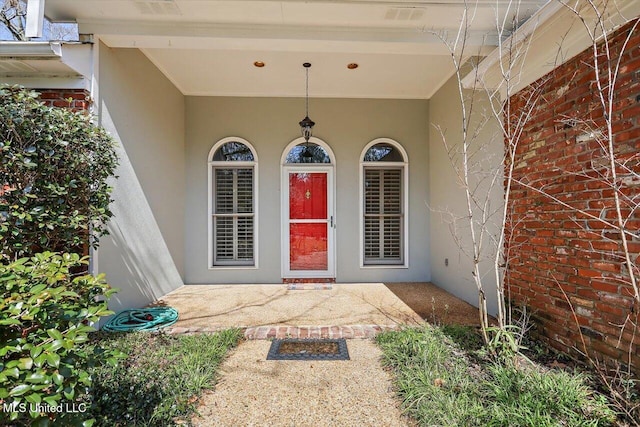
[[253, 391]]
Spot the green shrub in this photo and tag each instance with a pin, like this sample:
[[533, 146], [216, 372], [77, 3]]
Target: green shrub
[[133, 392], [46, 314], [53, 180]]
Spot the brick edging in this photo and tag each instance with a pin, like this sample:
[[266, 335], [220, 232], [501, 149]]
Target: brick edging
[[283, 331]]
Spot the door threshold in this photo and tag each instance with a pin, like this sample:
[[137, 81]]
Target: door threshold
[[288, 280], [309, 286]]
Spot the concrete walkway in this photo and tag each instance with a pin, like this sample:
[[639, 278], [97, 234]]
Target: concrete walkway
[[253, 391], [267, 311]]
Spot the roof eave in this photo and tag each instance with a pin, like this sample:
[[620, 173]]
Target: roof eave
[[541, 16], [552, 36]]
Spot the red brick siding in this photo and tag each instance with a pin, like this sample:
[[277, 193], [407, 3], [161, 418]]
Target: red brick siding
[[552, 247], [75, 99]]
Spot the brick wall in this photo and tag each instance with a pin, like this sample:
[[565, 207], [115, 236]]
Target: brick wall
[[75, 99], [552, 247]]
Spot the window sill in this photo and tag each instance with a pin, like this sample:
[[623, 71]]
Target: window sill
[[385, 266], [233, 267]]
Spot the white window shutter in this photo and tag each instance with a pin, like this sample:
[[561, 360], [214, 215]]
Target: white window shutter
[[233, 216], [383, 216]]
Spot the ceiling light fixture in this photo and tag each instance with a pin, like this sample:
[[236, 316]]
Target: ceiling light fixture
[[258, 64], [306, 124], [352, 66]]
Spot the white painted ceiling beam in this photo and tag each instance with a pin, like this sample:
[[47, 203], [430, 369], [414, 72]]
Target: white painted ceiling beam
[[383, 48], [160, 30]]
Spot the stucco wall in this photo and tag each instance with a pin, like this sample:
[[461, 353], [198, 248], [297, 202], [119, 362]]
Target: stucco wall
[[143, 256], [270, 124], [450, 236]]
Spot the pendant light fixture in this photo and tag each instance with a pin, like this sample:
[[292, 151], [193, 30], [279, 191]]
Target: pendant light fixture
[[306, 124]]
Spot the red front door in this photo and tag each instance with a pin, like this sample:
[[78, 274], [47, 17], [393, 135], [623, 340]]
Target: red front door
[[308, 221]]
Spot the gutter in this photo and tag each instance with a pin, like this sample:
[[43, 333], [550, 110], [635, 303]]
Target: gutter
[[542, 15], [45, 64], [30, 50]]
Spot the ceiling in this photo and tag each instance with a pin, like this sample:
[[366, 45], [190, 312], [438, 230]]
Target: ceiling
[[208, 47]]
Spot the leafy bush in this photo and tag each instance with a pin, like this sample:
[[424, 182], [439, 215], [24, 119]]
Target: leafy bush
[[53, 180], [132, 393], [46, 314]]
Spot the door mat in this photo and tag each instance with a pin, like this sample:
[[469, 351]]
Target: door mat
[[308, 349], [309, 286]]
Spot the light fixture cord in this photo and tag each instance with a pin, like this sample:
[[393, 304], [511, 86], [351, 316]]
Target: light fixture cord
[[307, 91]]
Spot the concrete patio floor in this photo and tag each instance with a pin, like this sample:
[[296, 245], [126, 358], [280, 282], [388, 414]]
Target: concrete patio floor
[[373, 306]]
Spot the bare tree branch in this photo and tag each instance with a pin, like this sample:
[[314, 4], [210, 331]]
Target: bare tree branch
[[12, 15]]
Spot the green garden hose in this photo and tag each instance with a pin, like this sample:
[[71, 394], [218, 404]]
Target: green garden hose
[[143, 319]]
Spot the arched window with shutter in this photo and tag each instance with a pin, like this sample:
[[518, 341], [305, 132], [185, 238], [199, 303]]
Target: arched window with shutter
[[384, 204], [232, 203]]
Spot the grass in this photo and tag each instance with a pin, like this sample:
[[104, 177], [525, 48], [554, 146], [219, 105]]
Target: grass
[[160, 381], [443, 384]]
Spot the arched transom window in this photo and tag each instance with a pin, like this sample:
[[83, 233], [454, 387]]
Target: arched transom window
[[232, 203], [308, 153]]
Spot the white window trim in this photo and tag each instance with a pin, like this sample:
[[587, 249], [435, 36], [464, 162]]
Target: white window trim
[[285, 168], [405, 201], [210, 166]]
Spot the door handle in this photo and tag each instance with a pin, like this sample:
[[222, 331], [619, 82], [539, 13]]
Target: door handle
[[331, 221]]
